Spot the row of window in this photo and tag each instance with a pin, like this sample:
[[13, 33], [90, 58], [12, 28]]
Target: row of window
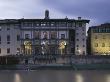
[[9, 38], [102, 45], [51, 24], [45, 36], [79, 33], [101, 30], [8, 50], [102, 36], [78, 46], [8, 28], [82, 39]]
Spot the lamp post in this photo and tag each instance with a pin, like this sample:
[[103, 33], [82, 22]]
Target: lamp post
[[18, 52], [79, 52]]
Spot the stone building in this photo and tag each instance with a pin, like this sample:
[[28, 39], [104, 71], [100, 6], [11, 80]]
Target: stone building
[[43, 36], [99, 39]]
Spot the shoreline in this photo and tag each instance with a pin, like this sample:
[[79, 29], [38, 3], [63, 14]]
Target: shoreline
[[57, 67]]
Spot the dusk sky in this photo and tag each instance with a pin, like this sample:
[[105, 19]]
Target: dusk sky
[[98, 11]]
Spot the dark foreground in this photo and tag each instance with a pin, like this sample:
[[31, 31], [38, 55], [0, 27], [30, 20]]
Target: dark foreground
[[55, 76], [56, 67]]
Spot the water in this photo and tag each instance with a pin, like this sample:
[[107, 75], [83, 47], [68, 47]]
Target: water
[[55, 76]]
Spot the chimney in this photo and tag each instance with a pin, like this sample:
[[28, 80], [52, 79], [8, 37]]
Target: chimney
[[79, 18], [46, 14]]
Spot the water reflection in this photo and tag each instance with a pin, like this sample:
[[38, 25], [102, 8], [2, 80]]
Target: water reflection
[[17, 78], [79, 78], [108, 78], [55, 76]]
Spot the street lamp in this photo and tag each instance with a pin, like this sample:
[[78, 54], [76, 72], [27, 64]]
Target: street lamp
[[79, 51], [17, 52]]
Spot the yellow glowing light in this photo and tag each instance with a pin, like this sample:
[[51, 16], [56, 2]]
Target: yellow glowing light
[[79, 78], [62, 45], [17, 78]]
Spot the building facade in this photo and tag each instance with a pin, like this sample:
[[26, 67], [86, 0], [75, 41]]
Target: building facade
[[99, 39], [43, 36]]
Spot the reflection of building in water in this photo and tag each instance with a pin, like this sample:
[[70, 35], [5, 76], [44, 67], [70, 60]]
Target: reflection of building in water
[[48, 36]]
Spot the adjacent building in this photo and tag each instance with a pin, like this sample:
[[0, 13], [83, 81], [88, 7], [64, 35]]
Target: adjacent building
[[99, 39], [43, 36]]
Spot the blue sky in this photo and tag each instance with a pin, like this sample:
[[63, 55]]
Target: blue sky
[[98, 11]]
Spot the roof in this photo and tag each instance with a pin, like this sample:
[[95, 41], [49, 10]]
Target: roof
[[41, 20]]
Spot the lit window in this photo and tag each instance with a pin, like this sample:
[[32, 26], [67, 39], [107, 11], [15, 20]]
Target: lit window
[[96, 37], [96, 44], [103, 36], [103, 44]]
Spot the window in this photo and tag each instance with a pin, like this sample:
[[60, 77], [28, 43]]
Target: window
[[77, 45], [103, 44], [82, 33], [0, 28], [45, 35], [0, 39], [8, 28], [0, 50], [8, 37], [77, 39], [18, 37], [96, 37], [62, 36], [27, 36], [80, 24], [109, 44], [83, 52], [53, 35], [37, 35], [8, 42], [72, 50], [83, 39], [8, 50], [103, 36], [96, 44], [83, 29], [83, 45], [77, 33]]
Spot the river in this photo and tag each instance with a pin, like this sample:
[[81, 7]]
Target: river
[[55, 76]]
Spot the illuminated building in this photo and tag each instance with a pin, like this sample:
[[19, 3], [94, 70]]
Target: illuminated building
[[99, 39], [43, 36]]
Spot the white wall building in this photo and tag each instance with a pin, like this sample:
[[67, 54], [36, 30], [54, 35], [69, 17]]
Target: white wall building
[[43, 36]]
